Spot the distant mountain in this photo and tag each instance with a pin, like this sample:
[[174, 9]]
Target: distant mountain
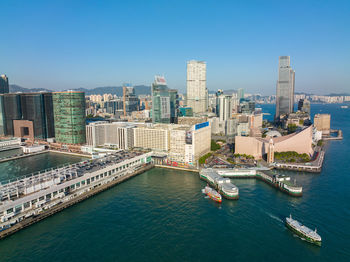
[[340, 94], [114, 90], [16, 88]]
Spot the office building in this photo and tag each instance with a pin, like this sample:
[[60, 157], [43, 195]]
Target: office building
[[304, 106], [154, 137], [185, 111], [181, 143], [27, 115], [37, 120], [225, 107], [240, 94], [118, 135], [247, 107], [4, 84], [11, 111], [197, 92], [322, 122], [164, 102], [130, 100], [285, 87], [69, 116]]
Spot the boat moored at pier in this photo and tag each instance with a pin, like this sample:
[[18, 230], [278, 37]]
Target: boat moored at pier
[[212, 193], [281, 182], [223, 185]]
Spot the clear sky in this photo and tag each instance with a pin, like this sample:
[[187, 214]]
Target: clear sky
[[71, 44]]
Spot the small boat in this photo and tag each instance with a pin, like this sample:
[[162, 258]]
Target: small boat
[[344, 106], [303, 231], [213, 194]]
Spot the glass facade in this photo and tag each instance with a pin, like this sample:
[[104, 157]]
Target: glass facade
[[2, 117], [130, 100], [69, 115], [37, 107], [12, 111], [285, 87], [4, 84], [164, 104]]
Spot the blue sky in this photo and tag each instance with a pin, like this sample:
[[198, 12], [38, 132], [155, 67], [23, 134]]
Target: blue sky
[[71, 44]]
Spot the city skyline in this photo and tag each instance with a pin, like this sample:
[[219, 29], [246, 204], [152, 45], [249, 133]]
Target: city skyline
[[103, 44]]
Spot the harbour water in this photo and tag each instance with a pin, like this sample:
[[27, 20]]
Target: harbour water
[[25, 166], [162, 215]]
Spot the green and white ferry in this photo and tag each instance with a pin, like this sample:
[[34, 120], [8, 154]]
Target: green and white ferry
[[303, 231]]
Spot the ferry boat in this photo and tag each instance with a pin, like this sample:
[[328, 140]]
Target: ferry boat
[[303, 231], [213, 194]]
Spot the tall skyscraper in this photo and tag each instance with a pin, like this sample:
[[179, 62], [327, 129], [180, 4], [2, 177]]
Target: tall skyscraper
[[225, 107], [197, 92], [4, 84], [130, 100], [164, 102], [240, 94], [69, 115], [285, 87]]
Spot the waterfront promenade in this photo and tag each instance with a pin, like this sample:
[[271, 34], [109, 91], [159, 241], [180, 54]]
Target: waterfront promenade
[[313, 167]]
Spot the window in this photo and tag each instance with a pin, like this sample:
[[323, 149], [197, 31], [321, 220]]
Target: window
[[9, 210], [41, 198]]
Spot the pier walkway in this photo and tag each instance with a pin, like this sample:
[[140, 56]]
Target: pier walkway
[[75, 199]]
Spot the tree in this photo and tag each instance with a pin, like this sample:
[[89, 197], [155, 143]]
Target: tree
[[292, 128], [214, 146]]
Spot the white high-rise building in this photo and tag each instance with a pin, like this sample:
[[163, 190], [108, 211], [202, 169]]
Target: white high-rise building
[[225, 107], [197, 92]]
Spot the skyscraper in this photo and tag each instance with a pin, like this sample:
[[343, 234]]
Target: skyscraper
[[225, 107], [197, 92], [130, 100], [240, 94], [285, 87], [4, 84], [28, 115], [69, 114], [164, 102]]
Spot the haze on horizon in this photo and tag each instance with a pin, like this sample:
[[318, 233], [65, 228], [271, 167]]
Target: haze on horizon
[[70, 44]]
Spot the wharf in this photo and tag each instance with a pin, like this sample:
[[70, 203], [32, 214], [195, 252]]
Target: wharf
[[7, 148], [280, 182], [29, 221], [10, 158], [338, 137], [178, 168], [313, 167], [70, 153]]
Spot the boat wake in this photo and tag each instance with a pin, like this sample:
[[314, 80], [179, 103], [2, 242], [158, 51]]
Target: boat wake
[[275, 217]]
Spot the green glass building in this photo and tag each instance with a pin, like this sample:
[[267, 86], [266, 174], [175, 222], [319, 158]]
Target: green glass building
[[164, 102], [69, 115]]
